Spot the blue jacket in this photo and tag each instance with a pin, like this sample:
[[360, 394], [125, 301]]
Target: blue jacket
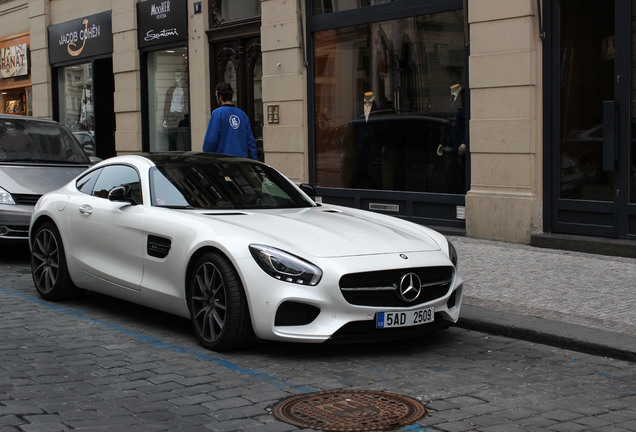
[[229, 133]]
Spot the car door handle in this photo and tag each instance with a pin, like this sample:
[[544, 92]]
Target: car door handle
[[86, 210]]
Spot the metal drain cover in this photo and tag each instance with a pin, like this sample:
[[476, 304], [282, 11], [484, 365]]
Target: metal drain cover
[[349, 410]]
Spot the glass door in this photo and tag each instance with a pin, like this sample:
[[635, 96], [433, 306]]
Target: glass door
[[590, 160], [239, 62]]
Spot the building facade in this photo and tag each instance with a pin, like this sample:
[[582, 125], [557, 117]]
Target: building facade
[[506, 119]]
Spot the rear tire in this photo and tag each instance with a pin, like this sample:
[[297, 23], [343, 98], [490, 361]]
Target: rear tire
[[218, 306], [48, 265]]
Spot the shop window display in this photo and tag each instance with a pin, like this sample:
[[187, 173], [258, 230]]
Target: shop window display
[[14, 102], [168, 99], [390, 105]]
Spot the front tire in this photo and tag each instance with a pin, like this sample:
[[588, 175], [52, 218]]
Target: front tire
[[218, 306], [48, 265]]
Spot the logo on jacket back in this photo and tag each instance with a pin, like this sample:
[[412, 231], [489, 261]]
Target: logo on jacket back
[[235, 122]]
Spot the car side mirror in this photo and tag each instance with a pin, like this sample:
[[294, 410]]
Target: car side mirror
[[309, 190], [88, 148], [121, 194]]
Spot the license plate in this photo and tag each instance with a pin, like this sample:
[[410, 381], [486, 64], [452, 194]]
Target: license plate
[[404, 319]]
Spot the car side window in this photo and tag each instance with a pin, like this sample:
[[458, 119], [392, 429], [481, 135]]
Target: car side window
[[118, 175], [86, 183]]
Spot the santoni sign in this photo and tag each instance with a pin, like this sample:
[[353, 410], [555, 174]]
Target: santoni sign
[[80, 38], [162, 21]]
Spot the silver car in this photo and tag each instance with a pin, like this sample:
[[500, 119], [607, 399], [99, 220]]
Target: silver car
[[36, 156]]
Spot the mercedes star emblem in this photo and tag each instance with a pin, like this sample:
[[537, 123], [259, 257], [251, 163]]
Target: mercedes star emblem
[[410, 287]]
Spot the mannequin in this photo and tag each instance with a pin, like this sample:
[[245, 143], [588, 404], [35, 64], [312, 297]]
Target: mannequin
[[455, 89], [369, 97], [175, 107]]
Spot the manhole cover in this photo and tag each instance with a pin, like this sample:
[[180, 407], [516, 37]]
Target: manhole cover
[[349, 410]]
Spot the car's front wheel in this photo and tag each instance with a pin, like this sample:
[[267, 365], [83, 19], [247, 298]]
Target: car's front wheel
[[217, 303], [48, 265]]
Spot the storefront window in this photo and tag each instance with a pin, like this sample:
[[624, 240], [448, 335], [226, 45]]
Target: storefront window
[[390, 105], [75, 84], [233, 10], [168, 99], [16, 101], [328, 6]]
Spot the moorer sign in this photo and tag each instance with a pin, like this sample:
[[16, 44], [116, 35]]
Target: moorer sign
[[162, 21], [14, 61], [80, 38]]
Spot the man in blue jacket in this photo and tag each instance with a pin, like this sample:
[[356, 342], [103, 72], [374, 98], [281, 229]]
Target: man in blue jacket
[[229, 130]]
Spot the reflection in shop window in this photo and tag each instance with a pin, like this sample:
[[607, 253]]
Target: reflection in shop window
[[75, 85], [390, 105], [168, 100]]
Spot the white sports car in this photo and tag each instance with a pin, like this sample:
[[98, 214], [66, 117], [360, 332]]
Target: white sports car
[[243, 252]]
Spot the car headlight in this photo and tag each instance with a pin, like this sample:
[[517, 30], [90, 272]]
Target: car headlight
[[452, 254], [285, 266], [5, 197]]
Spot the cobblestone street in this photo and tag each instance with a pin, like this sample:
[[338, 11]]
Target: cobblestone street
[[101, 364]]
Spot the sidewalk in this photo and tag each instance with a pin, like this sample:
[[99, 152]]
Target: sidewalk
[[573, 300]]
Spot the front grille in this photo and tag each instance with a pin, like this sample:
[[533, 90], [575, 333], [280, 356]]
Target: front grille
[[14, 231], [25, 199], [380, 288]]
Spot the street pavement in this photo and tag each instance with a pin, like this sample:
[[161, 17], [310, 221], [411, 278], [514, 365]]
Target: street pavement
[[97, 363], [567, 299]]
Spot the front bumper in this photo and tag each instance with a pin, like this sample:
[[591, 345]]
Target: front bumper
[[14, 222], [323, 310]]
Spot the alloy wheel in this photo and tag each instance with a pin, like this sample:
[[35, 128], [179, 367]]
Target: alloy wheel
[[209, 302], [45, 260]]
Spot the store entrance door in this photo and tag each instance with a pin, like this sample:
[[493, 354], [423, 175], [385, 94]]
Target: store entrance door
[[593, 151], [239, 62], [104, 107]]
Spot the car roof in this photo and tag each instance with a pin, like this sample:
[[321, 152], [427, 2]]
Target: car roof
[[162, 158], [27, 118], [189, 156]]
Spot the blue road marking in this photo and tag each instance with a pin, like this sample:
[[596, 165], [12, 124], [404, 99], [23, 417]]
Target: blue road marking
[[279, 383]]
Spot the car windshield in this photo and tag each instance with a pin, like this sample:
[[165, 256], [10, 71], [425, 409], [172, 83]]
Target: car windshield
[[222, 184], [27, 140]]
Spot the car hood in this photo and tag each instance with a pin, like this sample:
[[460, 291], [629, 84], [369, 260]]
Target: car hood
[[333, 231], [37, 180]]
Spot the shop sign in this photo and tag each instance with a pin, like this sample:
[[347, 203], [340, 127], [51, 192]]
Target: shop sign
[[162, 21], [81, 38], [13, 60]]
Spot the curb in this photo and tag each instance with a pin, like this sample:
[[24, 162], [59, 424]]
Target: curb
[[549, 332]]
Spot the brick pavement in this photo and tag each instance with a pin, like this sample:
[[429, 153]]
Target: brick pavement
[[101, 364], [590, 290]]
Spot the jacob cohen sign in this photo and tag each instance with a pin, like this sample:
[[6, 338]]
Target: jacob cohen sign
[[81, 38]]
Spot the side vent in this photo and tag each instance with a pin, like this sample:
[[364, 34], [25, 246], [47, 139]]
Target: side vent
[[158, 247]]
